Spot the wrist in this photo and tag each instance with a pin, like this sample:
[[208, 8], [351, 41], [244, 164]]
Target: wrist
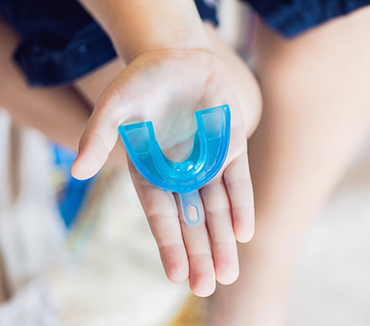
[[137, 26], [178, 40], [145, 25]]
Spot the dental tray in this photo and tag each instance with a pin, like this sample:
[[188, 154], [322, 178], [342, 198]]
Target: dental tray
[[210, 146]]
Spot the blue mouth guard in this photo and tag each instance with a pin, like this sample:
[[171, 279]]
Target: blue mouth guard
[[211, 143]]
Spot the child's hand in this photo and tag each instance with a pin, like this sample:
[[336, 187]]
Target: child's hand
[[166, 87]]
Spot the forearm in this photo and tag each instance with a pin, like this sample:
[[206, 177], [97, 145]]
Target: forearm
[[137, 26]]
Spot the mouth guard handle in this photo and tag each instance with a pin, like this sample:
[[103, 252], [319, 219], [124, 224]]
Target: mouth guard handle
[[187, 201], [211, 143]]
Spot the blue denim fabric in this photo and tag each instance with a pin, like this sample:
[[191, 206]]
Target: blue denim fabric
[[292, 17], [60, 42]]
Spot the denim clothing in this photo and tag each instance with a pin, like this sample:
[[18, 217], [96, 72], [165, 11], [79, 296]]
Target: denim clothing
[[61, 42], [292, 17]]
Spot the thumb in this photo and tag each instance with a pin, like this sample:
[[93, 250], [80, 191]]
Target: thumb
[[100, 135]]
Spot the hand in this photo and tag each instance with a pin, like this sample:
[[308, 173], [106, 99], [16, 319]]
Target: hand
[[166, 87]]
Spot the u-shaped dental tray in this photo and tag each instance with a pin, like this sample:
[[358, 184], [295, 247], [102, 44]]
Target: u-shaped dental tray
[[210, 146]]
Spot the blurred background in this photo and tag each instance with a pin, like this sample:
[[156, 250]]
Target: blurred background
[[81, 253]]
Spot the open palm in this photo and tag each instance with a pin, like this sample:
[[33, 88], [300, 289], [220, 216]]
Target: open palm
[[167, 87]]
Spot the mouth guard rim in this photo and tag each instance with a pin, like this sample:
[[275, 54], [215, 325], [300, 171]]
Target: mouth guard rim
[[181, 188]]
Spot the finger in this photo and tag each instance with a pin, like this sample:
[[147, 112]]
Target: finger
[[220, 227], [161, 211], [202, 278], [100, 134], [239, 187]]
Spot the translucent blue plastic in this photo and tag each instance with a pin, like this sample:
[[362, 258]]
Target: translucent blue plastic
[[211, 143]]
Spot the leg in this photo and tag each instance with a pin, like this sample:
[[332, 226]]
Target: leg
[[316, 115]]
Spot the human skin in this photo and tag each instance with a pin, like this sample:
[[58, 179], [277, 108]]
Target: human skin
[[316, 117], [53, 111], [172, 71]]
